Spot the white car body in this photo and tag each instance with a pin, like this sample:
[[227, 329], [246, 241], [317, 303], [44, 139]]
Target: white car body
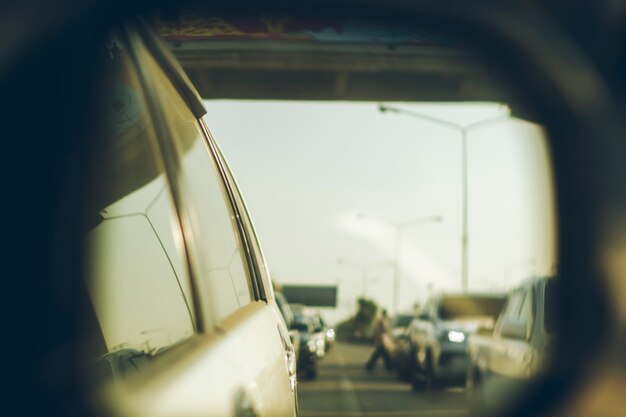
[[184, 310]]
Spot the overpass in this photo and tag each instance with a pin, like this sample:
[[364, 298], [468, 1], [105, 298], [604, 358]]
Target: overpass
[[288, 57]]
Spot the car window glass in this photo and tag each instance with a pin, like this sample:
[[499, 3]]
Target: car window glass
[[522, 299], [526, 307], [526, 312], [301, 327], [515, 304], [137, 278], [460, 307], [511, 309], [223, 273]]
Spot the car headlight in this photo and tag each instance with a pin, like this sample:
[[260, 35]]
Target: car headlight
[[456, 337]]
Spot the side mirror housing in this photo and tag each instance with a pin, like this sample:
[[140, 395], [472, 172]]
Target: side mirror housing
[[514, 328]]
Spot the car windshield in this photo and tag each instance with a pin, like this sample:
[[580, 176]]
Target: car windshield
[[301, 327], [467, 307]]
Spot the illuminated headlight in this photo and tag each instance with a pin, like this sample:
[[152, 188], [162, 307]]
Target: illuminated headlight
[[456, 337], [330, 333], [312, 346]]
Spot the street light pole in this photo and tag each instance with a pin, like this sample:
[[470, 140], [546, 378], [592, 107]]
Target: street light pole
[[464, 237], [464, 130], [396, 268]]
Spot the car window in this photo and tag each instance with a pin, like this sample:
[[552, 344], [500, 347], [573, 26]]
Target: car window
[[302, 327], [514, 304], [511, 308], [460, 307], [317, 323], [136, 271], [224, 279]]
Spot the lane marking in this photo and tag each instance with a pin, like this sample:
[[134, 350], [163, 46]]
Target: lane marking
[[351, 400]]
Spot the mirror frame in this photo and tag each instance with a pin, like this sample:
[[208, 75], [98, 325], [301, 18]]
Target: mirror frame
[[585, 132]]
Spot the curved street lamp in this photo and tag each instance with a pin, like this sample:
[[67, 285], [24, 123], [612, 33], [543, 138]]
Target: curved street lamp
[[464, 130]]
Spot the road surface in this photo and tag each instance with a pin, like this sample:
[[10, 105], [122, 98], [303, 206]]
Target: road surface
[[344, 388]]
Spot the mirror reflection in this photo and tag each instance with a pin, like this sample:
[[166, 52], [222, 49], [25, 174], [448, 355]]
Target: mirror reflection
[[395, 251]]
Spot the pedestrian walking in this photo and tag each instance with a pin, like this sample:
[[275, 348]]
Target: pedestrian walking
[[382, 341]]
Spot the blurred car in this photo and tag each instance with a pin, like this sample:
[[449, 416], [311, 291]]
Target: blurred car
[[328, 330], [312, 345], [303, 313], [438, 336], [175, 283], [288, 316], [399, 324], [504, 358], [402, 353]]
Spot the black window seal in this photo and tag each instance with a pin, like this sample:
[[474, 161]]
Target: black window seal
[[171, 67]]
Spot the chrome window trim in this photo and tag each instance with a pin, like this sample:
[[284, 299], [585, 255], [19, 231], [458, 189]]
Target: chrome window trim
[[170, 161], [244, 235]]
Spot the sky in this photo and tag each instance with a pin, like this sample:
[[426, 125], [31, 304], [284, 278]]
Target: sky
[[327, 184]]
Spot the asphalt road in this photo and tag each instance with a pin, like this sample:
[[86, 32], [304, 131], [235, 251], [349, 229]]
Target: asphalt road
[[344, 388]]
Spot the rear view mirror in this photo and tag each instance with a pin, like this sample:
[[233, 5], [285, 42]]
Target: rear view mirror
[[514, 328]]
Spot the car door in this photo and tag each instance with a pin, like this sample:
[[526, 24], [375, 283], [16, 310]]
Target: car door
[[516, 353], [506, 362], [174, 277]]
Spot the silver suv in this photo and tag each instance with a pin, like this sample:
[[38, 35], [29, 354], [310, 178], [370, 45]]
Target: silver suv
[[438, 336]]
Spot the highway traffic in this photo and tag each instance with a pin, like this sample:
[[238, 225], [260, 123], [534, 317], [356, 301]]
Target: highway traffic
[[344, 388]]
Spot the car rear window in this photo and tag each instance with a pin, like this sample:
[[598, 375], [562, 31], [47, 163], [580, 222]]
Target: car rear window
[[301, 327], [461, 307]]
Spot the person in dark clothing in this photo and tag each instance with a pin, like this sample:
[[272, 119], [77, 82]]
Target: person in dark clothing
[[381, 340]]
